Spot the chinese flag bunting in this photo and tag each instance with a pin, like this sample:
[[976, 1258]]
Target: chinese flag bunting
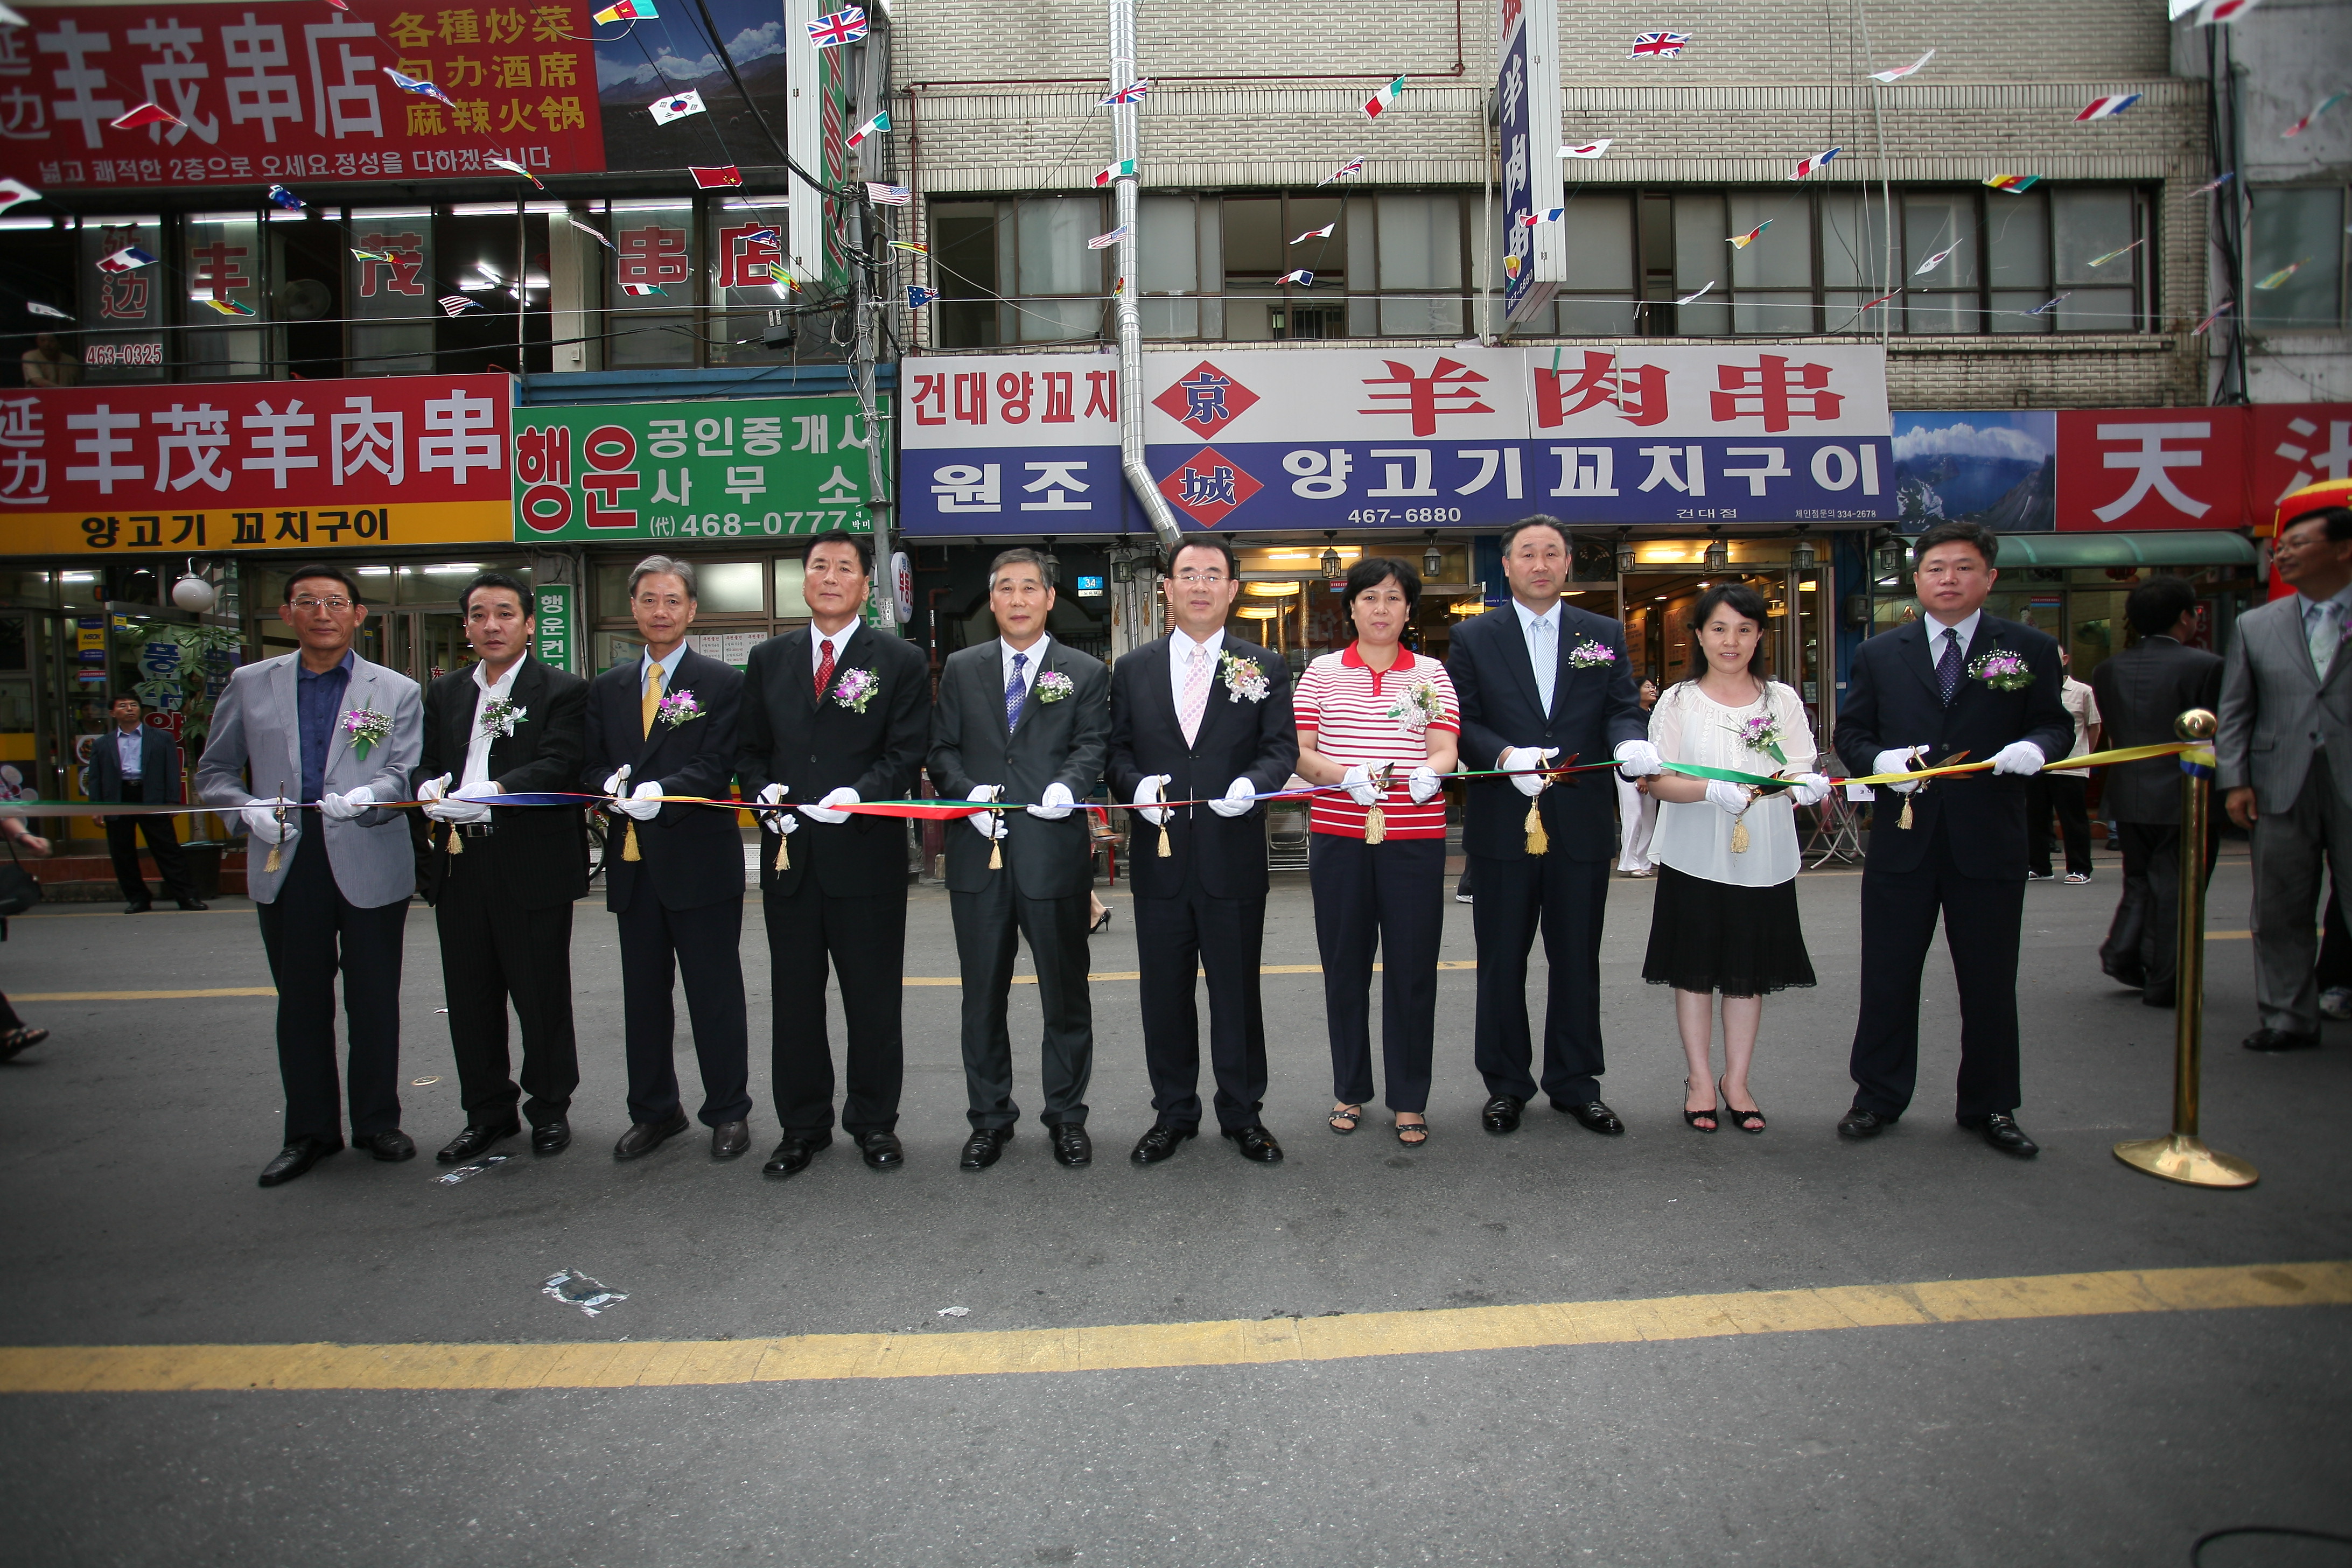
[[145, 114], [716, 179]]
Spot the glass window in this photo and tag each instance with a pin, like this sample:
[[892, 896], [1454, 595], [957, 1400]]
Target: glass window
[[1253, 250], [496, 255], [1943, 298], [2017, 260], [440, 582], [1597, 239], [2091, 226], [1053, 259], [792, 574], [226, 283], [2301, 228], [1420, 252], [652, 318], [1702, 253], [963, 269], [746, 239], [1168, 266], [1854, 261], [391, 293], [124, 310], [1772, 278], [730, 587]]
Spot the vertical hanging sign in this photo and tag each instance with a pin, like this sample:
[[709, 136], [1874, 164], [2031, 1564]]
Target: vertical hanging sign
[[817, 80], [552, 627], [1526, 106]]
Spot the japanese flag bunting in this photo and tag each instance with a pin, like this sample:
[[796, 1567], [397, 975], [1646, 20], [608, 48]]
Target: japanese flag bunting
[[1899, 72]]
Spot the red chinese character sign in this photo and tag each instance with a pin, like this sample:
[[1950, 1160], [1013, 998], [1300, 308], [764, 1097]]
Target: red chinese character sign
[[2130, 468], [418, 460]]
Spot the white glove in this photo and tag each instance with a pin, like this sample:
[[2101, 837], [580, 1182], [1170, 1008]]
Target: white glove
[[350, 807], [987, 824], [1358, 781], [261, 820], [1423, 782], [1894, 762], [828, 810], [1640, 760], [612, 786], [1148, 790], [1727, 796], [1521, 763], [2018, 757], [1812, 789], [1240, 795], [1056, 806], [471, 804], [776, 821], [432, 790], [645, 804]]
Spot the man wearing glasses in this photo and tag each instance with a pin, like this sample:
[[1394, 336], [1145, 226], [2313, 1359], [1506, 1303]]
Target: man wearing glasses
[[320, 736]]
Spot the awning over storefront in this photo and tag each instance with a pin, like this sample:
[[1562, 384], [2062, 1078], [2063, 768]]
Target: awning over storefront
[[2161, 547]]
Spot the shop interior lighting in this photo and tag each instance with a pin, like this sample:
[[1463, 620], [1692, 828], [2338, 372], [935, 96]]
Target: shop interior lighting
[[1272, 590], [483, 209], [1257, 612]]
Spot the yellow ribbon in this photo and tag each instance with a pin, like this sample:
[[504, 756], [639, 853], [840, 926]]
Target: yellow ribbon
[[2094, 760]]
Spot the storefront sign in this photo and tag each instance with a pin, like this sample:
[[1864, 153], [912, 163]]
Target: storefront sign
[[2150, 467], [256, 466], [554, 633], [1527, 107], [725, 470], [1315, 438]]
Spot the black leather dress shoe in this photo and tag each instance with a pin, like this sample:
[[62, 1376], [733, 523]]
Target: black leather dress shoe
[[2153, 998], [982, 1148], [1072, 1146], [793, 1154], [550, 1137], [194, 906], [1501, 1113], [294, 1159], [1255, 1143], [1160, 1142], [141, 908], [2004, 1133], [474, 1139], [730, 1138], [2280, 1040], [1860, 1123], [881, 1149], [390, 1147], [1596, 1116], [644, 1137]]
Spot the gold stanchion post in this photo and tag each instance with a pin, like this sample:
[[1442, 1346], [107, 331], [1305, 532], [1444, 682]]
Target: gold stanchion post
[[2183, 1157]]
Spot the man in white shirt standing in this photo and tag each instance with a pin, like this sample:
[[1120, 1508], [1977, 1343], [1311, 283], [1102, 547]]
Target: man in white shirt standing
[[2064, 795]]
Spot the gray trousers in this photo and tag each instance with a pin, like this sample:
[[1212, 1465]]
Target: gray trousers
[[987, 925], [2289, 848]]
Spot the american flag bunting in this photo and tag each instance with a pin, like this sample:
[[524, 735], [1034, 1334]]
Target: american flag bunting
[[888, 195]]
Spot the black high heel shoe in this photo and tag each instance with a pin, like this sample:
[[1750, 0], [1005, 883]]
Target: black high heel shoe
[[1102, 921], [1714, 1113], [1739, 1119]]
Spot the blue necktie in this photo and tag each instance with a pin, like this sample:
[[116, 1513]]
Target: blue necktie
[[1947, 668], [1016, 692]]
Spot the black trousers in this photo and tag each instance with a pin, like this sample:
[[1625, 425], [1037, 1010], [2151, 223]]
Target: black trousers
[[2065, 795], [311, 932], [492, 951], [866, 939], [987, 925], [2335, 967], [1175, 937], [1568, 899], [1390, 897], [122, 834], [656, 944], [2142, 946], [1981, 916]]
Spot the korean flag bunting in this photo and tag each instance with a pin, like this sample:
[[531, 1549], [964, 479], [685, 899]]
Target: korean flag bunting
[[665, 109]]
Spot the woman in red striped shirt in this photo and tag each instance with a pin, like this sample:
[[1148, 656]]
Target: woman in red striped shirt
[[1384, 723]]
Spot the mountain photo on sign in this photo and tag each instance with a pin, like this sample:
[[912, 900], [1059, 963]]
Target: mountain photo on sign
[[1378, 104], [665, 109], [1999, 469]]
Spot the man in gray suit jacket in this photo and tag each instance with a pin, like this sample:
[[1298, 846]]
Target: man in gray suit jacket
[[325, 737], [1023, 719], [2285, 753]]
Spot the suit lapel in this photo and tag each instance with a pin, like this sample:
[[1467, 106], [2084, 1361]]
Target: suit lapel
[[355, 696], [1911, 652], [1522, 666]]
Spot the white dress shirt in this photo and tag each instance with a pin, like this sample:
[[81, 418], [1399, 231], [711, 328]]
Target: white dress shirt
[[478, 744], [1036, 662], [1543, 647], [127, 744], [1180, 661], [1936, 629], [668, 668], [818, 641]]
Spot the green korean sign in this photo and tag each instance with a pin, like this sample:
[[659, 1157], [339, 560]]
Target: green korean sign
[[764, 469], [554, 634]]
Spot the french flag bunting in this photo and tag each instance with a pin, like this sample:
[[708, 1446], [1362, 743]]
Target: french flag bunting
[[2107, 108], [1548, 214], [1807, 165], [1301, 277], [130, 258]]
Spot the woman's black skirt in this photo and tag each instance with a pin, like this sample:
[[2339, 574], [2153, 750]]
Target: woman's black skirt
[[1712, 936]]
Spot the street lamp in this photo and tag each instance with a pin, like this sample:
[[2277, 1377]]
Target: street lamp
[[1432, 559], [1890, 557], [1718, 558], [1330, 561], [1626, 559], [1802, 555]]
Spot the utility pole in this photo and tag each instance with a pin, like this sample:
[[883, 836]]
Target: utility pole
[[1129, 314]]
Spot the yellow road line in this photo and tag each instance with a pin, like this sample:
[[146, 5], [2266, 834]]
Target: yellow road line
[[142, 995], [164, 1369]]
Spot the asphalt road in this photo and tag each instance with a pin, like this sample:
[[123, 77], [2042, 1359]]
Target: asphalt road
[[132, 1139]]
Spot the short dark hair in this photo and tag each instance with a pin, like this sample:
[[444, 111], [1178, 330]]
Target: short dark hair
[[860, 542], [1224, 547], [1021, 555], [1740, 599], [131, 697], [1375, 570], [1539, 520], [321, 569], [1959, 530], [2337, 518], [495, 580], [2156, 605]]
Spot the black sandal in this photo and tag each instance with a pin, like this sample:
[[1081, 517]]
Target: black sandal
[[1343, 1114], [1739, 1119], [21, 1039], [1420, 1127], [1714, 1113]]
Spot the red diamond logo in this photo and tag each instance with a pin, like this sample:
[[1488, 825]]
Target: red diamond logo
[[1205, 399], [1208, 486]]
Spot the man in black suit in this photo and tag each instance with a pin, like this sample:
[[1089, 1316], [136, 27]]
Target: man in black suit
[[835, 714], [135, 762], [2140, 693], [503, 879], [1541, 682], [1918, 694], [664, 725], [1022, 719], [1196, 715]]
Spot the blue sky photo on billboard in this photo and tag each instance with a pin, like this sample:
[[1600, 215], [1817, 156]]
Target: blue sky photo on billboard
[[1993, 467]]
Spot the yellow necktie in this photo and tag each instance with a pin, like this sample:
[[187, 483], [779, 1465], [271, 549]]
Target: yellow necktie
[[649, 704]]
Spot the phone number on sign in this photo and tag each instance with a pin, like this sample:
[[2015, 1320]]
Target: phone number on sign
[[1405, 514], [733, 525]]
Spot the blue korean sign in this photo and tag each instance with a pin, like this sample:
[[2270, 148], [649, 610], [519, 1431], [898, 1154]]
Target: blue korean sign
[[1527, 107]]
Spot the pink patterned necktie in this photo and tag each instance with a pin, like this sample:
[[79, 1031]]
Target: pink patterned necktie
[[1196, 695]]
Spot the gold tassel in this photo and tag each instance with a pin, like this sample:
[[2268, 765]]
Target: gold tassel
[[1739, 836], [269, 867], [1539, 841], [1165, 849], [995, 854], [456, 840], [1376, 826], [629, 843], [1904, 821], [783, 851]]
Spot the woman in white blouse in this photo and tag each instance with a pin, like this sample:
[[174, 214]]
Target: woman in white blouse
[[1725, 919]]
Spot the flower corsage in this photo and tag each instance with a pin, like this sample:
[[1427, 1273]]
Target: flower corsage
[[1245, 678], [499, 717], [1417, 708], [679, 708], [365, 726], [1763, 733], [1053, 686], [2002, 670], [1591, 654], [855, 688]]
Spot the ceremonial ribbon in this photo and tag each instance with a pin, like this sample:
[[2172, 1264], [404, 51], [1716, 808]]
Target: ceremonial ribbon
[[2093, 760]]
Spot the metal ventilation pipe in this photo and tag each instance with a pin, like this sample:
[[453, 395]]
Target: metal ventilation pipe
[[1129, 315]]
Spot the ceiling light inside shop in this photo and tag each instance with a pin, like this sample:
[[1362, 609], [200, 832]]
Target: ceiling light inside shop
[[1257, 612], [1272, 590], [483, 209], [1807, 587]]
